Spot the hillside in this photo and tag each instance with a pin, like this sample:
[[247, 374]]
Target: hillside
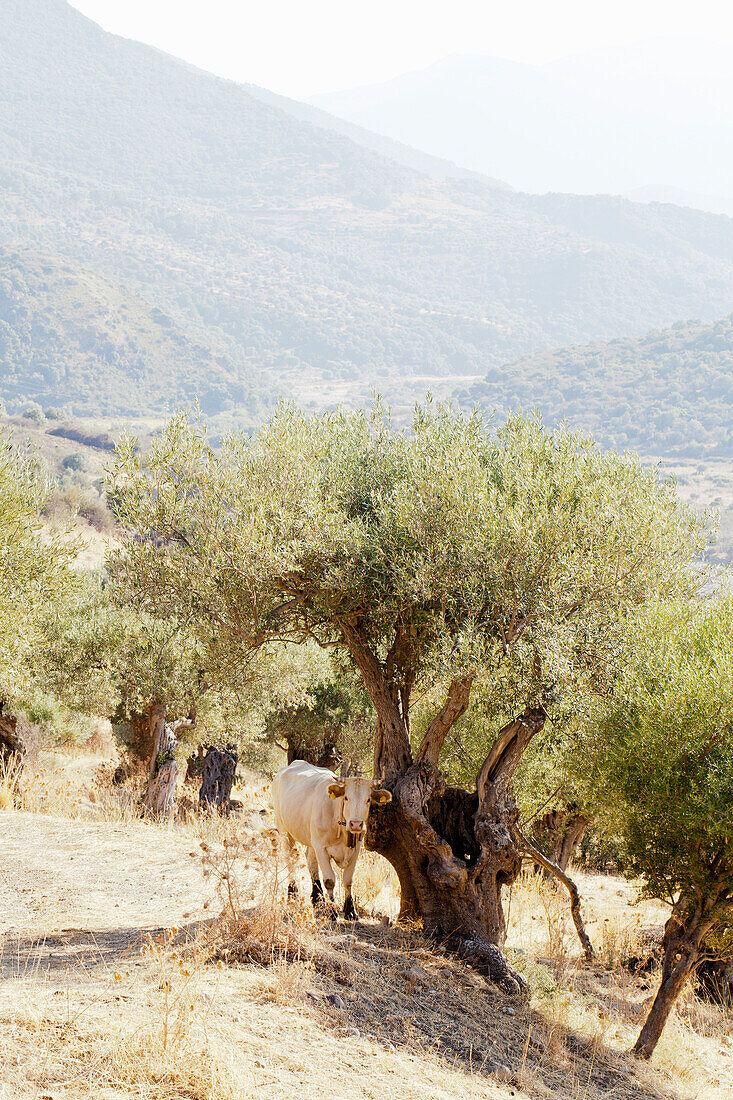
[[121, 982], [436, 167], [668, 394], [295, 260], [71, 337], [606, 120]]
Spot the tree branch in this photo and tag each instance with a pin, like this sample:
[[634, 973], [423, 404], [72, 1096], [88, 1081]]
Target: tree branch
[[567, 882], [508, 749], [394, 743], [184, 724], [459, 694], [261, 635]]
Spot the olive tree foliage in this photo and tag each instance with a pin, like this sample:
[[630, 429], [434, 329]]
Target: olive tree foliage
[[660, 763], [331, 724], [36, 578], [437, 558], [35, 572], [102, 657]]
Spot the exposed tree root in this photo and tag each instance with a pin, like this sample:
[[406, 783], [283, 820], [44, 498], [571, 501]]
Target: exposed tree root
[[487, 959]]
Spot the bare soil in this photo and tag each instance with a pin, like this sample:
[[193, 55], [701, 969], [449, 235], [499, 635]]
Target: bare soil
[[109, 990]]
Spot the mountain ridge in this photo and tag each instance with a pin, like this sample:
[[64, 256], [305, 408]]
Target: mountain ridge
[[302, 261], [604, 121]]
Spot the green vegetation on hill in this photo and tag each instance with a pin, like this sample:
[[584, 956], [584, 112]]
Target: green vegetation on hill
[[274, 245], [70, 336], [667, 394]]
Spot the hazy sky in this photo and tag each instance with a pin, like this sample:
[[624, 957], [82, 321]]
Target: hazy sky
[[301, 47]]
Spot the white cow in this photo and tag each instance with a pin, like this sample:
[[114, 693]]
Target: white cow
[[327, 815]]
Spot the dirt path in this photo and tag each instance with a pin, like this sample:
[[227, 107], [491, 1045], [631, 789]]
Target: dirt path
[[82, 1010], [58, 873]]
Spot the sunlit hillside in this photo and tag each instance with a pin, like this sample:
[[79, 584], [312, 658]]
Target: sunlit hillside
[[280, 256]]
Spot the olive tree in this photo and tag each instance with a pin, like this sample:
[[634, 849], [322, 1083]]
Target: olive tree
[[661, 764], [35, 578], [157, 681], [331, 724], [434, 558], [103, 657]]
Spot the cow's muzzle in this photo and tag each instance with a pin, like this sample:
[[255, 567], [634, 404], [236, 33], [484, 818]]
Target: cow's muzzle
[[354, 832]]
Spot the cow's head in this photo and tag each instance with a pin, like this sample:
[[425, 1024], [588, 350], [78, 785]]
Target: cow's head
[[358, 795]]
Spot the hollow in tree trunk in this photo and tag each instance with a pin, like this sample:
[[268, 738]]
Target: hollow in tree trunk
[[684, 936]]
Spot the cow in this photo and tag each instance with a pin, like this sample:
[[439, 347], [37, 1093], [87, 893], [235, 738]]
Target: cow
[[329, 817]]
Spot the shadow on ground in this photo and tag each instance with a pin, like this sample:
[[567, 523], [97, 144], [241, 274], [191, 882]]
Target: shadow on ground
[[81, 949], [399, 992]]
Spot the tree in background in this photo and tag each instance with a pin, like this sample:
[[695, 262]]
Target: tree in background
[[436, 560], [331, 725], [101, 657], [661, 763], [35, 579]]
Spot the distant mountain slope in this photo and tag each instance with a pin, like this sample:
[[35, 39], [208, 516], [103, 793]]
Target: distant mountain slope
[[609, 120], [285, 251], [78, 100], [714, 204], [668, 394], [419, 161], [71, 337]]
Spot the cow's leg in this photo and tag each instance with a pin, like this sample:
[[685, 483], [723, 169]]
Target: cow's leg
[[327, 874], [350, 912], [292, 859], [317, 889]]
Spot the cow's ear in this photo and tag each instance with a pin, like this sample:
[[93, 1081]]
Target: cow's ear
[[336, 790], [381, 797]]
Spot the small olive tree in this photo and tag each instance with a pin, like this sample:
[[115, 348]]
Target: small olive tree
[[433, 558], [332, 723], [661, 764], [105, 658], [35, 579]]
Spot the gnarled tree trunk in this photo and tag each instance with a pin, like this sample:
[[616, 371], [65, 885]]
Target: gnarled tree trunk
[[12, 752], [219, 769], [684, 936], [163, 767], [558, 833], [454, 851], [12, 745]]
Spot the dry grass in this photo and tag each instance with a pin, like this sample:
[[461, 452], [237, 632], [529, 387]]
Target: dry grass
[[266, 999], [570, 1040], [606, 1003], [73, 1060], [77, 783], [10, 789]]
